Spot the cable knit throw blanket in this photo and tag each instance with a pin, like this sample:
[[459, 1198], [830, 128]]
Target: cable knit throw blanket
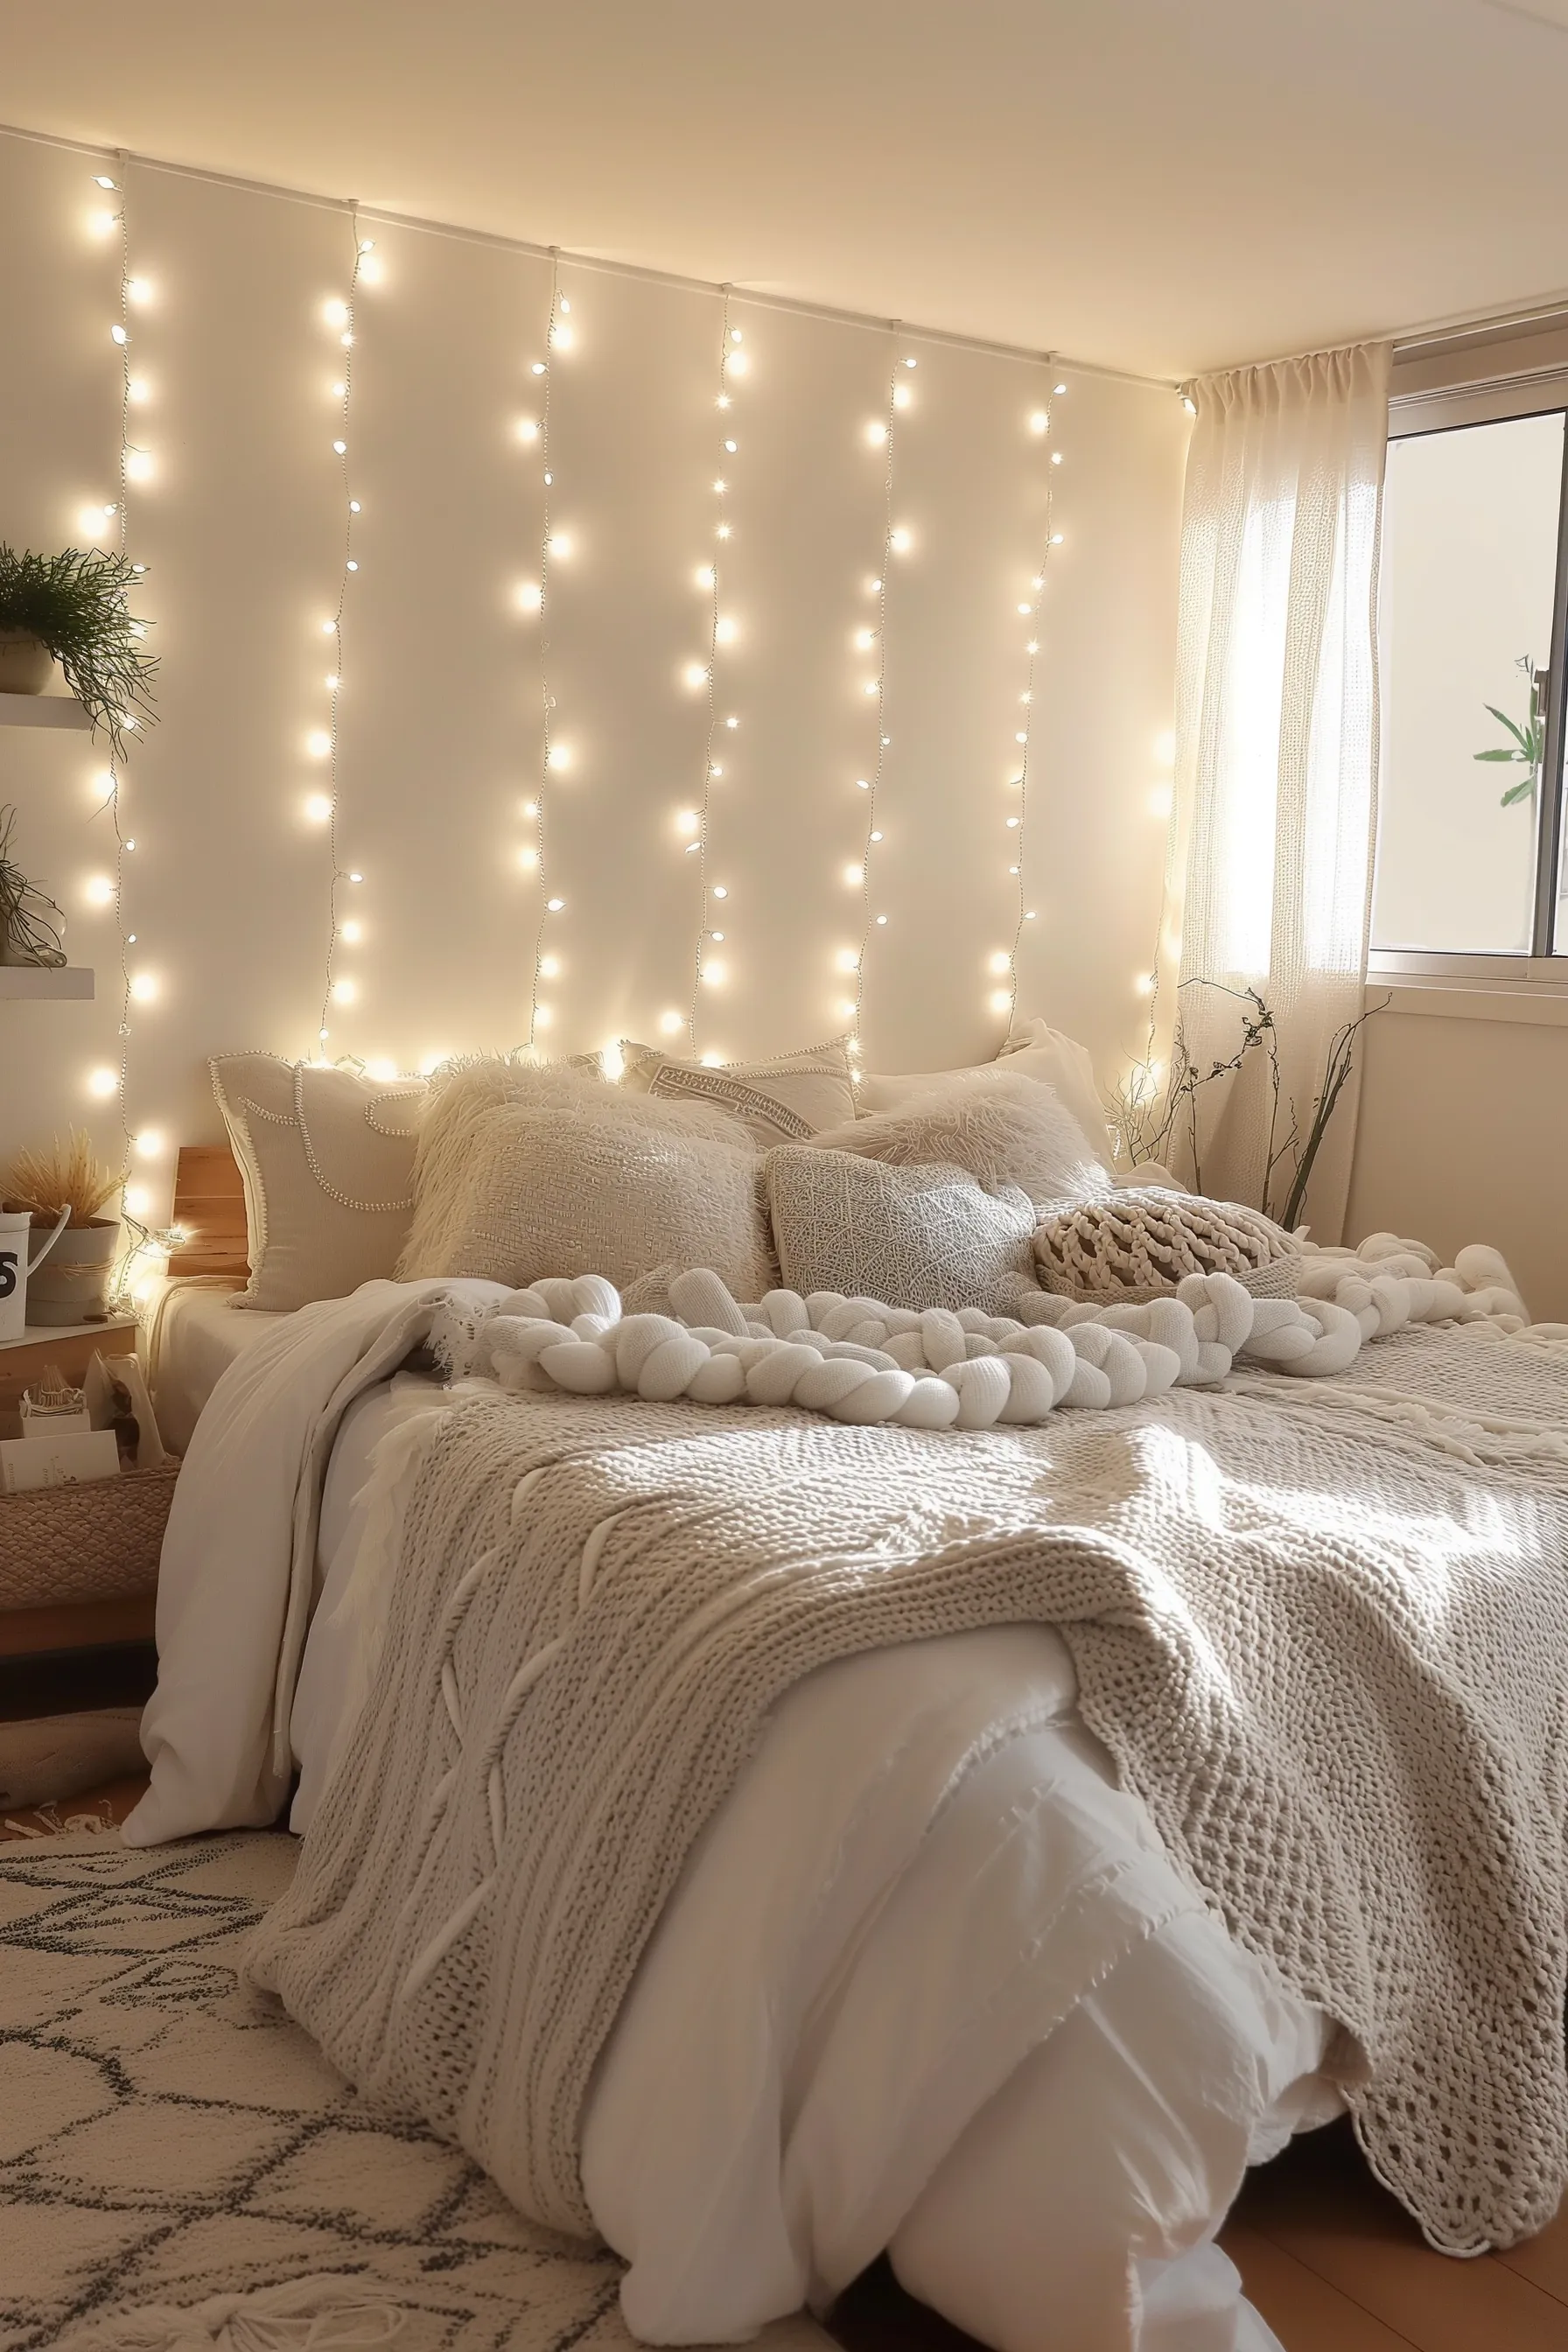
[[1321, 1629]]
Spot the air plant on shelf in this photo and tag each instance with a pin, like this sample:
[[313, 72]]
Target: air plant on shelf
[[74, 605], [30, 922], [1528, 748]]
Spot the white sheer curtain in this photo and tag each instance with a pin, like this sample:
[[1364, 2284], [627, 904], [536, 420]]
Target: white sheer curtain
[[1276, 748]]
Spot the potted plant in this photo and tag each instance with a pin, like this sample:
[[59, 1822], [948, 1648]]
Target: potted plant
[[30, 922], [71, 608], [71, 1286]]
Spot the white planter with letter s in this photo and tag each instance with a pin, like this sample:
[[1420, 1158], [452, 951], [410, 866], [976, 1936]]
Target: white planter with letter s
[[17, 1264]]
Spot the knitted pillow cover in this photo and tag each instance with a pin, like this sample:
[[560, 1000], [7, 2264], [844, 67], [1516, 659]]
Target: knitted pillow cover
[[913, 1237], [1002, 1127], [1139, 1244], [461, 1091], [326, 1161], [782, 1101], [616, 1188]]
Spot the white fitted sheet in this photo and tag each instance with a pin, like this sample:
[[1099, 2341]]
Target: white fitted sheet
[[800, 2075], [193, 1335]]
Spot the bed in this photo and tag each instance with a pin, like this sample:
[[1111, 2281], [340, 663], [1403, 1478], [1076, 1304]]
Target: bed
[[751, 2138]]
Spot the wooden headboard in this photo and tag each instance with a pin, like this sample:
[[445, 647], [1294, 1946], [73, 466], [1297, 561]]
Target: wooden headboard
[[209, 1204]]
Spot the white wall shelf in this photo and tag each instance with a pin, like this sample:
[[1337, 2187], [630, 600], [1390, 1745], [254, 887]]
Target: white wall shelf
[[42, 710], [21, 982]]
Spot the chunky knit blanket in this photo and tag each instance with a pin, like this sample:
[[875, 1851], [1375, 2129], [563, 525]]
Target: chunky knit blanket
[[1319, 1627]]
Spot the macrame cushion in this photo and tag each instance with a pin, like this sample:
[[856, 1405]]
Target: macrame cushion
[[1001, 1128], [606, 1187], [326, 1159], [1140, 1245], [913, 1237], [782, 1101]]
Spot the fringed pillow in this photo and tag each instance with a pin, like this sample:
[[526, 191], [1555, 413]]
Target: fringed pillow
[[913, 1237], [1139, 1245], [999, 1126]]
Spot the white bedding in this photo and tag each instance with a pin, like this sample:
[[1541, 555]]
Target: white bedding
[[1034, 2073], [191, 1335]]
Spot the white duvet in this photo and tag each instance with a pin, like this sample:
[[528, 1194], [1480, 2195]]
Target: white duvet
[[928, 1983]]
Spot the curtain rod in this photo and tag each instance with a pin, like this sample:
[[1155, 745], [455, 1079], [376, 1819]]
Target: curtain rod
[[1550, 310], [866, 320]]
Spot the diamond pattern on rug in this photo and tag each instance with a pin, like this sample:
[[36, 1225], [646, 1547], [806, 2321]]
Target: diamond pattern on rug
[[167, 2138]]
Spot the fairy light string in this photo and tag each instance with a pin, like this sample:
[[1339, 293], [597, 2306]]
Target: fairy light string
[[540, 1015], [139, 1239], [1041, 422], [704, 967], [336, 990], [872, 783]]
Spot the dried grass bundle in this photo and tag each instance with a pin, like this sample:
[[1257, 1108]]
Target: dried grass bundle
[[68, 1175]]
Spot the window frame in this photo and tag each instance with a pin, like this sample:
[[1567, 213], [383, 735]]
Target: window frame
[[1537, 392]]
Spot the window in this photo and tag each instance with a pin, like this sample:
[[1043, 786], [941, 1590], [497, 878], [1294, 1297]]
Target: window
[[1475, 555]]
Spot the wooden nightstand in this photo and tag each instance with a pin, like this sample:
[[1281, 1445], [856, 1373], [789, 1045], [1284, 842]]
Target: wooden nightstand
[[58, 1658]]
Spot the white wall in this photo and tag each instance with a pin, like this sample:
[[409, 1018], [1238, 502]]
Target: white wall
[[1461, 1136], [227, 889]]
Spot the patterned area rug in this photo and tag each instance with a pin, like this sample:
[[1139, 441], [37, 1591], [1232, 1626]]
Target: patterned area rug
[[168, 2144]]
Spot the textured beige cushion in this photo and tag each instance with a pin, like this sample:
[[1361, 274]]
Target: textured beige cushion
[[782, 1101], [1034, 1051], [461, 1091], [1138, 1245], [326, 1161], [1001, 1128], [613, 1187], [913, 1237]]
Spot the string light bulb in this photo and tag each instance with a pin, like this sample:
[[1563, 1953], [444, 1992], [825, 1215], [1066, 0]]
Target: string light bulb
[[702, 677], [324, 742], [1006, 1000], [553, 545]]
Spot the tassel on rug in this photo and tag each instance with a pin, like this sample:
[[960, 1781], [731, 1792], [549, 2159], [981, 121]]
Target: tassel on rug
[[325, 2313]]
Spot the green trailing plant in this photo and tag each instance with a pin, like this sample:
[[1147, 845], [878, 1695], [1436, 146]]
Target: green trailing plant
[[1153, 1123], [30, 922], [1528, 744], [76, 604]]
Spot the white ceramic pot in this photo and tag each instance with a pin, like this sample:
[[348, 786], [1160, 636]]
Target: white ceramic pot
[[18, 1259], [26, 663], [72, 1285]]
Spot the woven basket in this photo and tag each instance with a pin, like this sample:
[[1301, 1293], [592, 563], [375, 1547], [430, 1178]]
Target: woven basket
[[99, 1541]]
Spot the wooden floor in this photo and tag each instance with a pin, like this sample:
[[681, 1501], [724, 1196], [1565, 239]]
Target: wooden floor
[[1326, 2257], [1331, 2261]]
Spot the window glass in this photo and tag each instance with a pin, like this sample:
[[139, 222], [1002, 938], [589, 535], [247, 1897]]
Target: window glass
[[1469, 558]]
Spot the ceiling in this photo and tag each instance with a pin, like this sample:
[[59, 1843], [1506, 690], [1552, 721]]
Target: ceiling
[[1160, 185]]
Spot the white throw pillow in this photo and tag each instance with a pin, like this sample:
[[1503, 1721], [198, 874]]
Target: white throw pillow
[[461, 1091], [1001, 1127], [1033, 1051], [914, 1237], [614, 1187], [326, 1161], [783, 1100]]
